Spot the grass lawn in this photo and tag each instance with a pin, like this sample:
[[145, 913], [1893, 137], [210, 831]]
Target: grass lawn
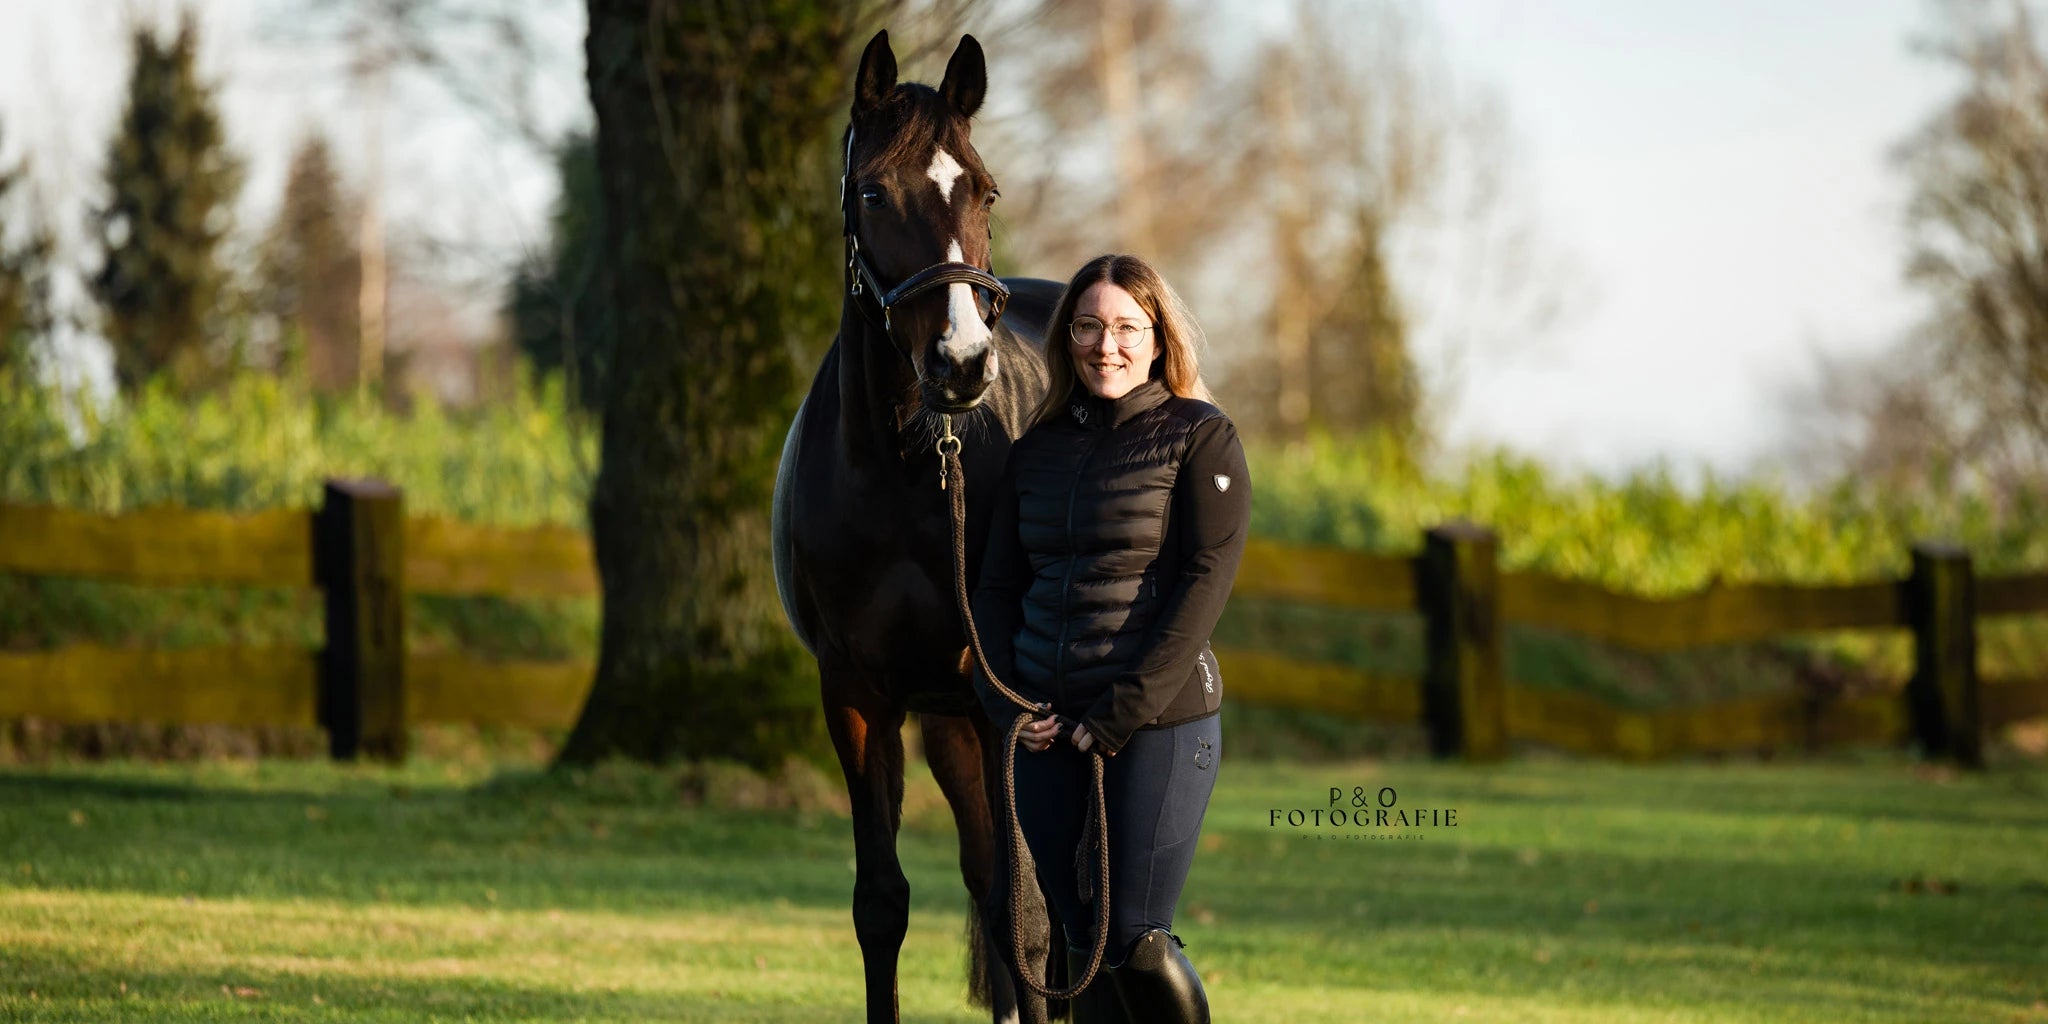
[[1855, 889]]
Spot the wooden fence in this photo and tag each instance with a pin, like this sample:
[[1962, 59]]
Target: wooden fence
[[1471, 709], [363, 687], [362, 552]]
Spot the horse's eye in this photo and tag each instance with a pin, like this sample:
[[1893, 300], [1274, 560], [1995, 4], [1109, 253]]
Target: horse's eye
[[871, 197], [990, 199]]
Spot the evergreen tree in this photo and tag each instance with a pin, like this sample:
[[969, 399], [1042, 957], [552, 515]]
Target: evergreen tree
[[170, 189], [558, 318], [311, 274], [25, 253], [1362, 377]]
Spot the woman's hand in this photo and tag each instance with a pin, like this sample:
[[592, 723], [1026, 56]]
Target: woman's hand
[[1037, 736], [1082, 740]]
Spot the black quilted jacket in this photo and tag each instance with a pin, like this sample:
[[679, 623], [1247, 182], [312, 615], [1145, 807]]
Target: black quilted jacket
[[1117, 533]]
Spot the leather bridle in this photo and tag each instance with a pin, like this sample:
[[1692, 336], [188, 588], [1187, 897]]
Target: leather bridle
[[862, 281]]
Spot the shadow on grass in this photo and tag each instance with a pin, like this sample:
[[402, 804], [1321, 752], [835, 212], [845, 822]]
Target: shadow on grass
[[74, 988], [530, 843], [544, 846]]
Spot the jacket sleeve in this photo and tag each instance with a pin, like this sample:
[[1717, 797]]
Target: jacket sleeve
[[1212, 498], [998, 601]]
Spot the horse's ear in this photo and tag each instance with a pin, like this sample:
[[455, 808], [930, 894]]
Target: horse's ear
[[966, 79], [877, 75]]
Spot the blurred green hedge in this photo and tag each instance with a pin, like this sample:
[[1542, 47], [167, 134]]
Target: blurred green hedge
[[262, 442]]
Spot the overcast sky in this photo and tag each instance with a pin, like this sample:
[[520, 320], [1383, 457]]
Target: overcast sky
[[1715, 173]]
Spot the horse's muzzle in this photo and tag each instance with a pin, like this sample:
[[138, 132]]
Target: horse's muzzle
[[955, 385]]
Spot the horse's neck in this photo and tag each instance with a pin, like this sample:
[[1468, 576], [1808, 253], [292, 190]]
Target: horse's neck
[[873, 376]]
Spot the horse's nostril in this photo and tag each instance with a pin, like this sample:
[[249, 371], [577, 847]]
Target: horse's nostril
[[977, 367]]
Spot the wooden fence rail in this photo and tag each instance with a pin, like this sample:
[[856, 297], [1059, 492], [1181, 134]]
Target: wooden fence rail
[[1471, 711], [362, 552]]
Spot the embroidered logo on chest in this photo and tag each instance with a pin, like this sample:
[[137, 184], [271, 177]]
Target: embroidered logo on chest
[[1222, 482], [1080, 413]]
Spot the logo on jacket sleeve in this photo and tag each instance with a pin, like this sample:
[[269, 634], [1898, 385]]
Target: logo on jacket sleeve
[[1222, 482]]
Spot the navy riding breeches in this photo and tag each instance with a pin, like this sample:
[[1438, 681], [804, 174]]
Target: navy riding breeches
[[1155, 790]]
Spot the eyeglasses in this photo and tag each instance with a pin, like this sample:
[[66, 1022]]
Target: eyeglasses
[[1087, 332]]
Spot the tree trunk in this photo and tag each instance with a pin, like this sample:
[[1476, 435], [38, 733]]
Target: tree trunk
[[714, 125]]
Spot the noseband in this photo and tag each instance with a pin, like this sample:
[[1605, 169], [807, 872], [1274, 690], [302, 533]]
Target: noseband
[[862, 279]]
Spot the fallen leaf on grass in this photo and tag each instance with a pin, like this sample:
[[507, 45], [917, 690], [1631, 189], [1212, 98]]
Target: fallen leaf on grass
[[1919, 883]]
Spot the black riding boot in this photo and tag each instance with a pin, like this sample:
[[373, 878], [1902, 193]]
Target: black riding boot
[[1098, 1003], [1158, 984]]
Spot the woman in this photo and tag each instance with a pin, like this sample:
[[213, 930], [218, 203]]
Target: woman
[[1117, 533]]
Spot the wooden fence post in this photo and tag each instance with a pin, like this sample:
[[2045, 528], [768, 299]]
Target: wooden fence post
[[1458, 583], [359, 561], [1944, 699]]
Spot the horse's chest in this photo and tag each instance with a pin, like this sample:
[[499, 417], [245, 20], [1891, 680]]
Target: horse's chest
[[880, 582]]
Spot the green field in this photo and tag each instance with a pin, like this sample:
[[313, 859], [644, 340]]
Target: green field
[[1861, 888]]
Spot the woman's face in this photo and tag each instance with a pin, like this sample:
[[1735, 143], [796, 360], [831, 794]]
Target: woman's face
[[1104, 367]]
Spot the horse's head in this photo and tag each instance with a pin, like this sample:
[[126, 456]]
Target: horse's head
[[917, 215]]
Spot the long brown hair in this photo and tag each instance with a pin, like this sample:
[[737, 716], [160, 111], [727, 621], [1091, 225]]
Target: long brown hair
[[1180, 339]]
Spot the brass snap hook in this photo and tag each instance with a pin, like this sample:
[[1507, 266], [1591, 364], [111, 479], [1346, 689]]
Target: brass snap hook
[[945, 450]]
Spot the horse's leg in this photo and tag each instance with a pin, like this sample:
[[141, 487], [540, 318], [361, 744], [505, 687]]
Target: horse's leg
[[954, 747], [868, 734]]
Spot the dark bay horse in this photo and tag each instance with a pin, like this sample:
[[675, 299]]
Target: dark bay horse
[[862, 548]]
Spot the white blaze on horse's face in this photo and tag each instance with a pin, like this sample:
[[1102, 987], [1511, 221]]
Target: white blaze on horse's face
[[961, 360], [943, 172], [966, 335]]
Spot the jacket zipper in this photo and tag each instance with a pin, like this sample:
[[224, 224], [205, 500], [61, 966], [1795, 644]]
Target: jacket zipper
[[1059, 652]]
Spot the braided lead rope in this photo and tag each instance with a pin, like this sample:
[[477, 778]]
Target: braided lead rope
[[952, 478]]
